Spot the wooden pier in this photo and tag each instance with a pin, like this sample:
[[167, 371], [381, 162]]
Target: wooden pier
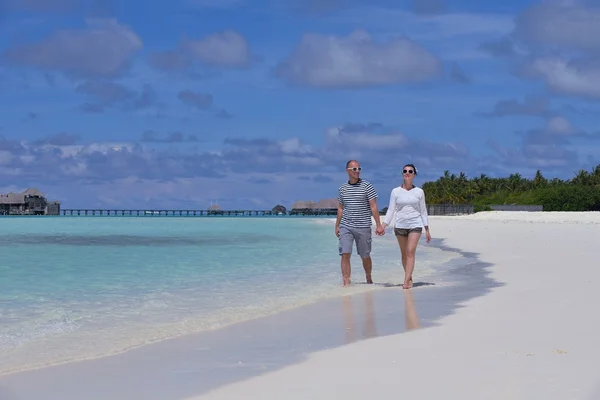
[[432, 209], [190, 213]]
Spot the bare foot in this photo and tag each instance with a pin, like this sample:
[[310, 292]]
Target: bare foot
[[408, 284], [369, 280], [346, 282]]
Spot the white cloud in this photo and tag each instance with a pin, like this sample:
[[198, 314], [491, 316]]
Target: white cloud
[[83, 149], [560, 126], [535, 156], [564, 50], [294, 145], [337, 138], [443, 26], [570, 24], [27, 159], [103, 49], [228, 48], [569, 77], [466, 24], [357, 61], [5, 157], [123, 174], [107, 162], [312, 161]]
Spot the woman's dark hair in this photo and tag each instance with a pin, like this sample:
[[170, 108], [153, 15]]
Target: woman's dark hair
[[412, 166]]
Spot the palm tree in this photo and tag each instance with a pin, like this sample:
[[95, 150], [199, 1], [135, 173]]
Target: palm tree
[[582, 178], [596, 175], [539, 180]]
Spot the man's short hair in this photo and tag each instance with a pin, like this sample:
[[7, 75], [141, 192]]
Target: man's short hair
[[348, 163]]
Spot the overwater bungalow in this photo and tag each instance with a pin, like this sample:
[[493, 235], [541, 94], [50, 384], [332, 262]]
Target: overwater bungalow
[[29, 202]]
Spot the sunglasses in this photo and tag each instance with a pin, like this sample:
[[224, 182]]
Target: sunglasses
[[408, 171], [355, 169]]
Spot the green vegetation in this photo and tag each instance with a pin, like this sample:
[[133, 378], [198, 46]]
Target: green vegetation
[[581, 193]]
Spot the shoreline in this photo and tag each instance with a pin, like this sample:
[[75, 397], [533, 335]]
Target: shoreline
[[317, 320], [532, 337], [254, 314], [501, 312]]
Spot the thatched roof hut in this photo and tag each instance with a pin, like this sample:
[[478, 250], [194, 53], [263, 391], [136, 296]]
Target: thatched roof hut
[[311, 204], [19, 198], [12, 198], [302, 204], [279, 209], [327, 203], [33, 192]]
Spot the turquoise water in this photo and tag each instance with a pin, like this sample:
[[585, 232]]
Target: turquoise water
[[79, 287]]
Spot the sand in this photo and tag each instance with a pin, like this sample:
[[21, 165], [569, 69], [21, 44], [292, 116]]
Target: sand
[[518, 321], [533, 337]]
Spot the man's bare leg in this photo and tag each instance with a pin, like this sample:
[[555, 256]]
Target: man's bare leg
[[368, 266], [346, 268]]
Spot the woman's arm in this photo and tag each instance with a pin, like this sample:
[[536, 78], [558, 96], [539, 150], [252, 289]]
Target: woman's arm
[[389, 215], [423, 211], [425, 218]]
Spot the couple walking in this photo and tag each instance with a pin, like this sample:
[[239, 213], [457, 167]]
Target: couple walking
[[358, 202]]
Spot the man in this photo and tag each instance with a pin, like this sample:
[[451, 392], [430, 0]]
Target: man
[[357, 202]]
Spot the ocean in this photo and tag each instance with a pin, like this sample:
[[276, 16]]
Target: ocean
[[74, 288]]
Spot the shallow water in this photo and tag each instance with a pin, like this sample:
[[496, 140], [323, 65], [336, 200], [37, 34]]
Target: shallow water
[[81, 287]]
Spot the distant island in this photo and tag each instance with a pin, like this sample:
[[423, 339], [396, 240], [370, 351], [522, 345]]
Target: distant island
[[580, 193]]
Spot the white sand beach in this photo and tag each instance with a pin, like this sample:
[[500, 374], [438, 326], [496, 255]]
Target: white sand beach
[[517, 320], [533, 337]]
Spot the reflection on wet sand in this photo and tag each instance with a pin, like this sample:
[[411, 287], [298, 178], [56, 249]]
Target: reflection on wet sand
[[411, 319], [369, 328], [350, 334], [367, 314]]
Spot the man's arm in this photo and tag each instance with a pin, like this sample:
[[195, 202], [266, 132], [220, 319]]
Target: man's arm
[[340, 210], [375, 212], [372, 196]]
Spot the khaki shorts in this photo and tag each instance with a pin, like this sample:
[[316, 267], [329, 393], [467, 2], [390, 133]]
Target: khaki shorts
[[405, 232]]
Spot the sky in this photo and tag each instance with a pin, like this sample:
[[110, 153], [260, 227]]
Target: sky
[[252, 103]]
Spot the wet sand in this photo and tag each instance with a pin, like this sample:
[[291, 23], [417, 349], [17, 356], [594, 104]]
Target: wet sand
[[533, 336], [196, 364]]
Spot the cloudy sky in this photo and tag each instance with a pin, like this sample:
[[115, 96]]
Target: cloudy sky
[[250, 103]]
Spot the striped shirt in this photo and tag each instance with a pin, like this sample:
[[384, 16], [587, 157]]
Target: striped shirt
[[355, 202]]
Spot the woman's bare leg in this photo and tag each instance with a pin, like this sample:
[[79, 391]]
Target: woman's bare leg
[[403, 243], [411, 249]]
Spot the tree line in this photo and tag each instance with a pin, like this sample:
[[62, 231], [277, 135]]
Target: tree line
[[580, 193]]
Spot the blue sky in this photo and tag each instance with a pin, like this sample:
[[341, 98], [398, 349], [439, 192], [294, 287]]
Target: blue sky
[[184, 103]]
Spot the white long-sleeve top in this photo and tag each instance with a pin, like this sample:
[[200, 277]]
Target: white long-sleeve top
[[408, 207]]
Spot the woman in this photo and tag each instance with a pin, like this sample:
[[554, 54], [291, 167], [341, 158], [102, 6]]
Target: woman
[[407, 205]]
